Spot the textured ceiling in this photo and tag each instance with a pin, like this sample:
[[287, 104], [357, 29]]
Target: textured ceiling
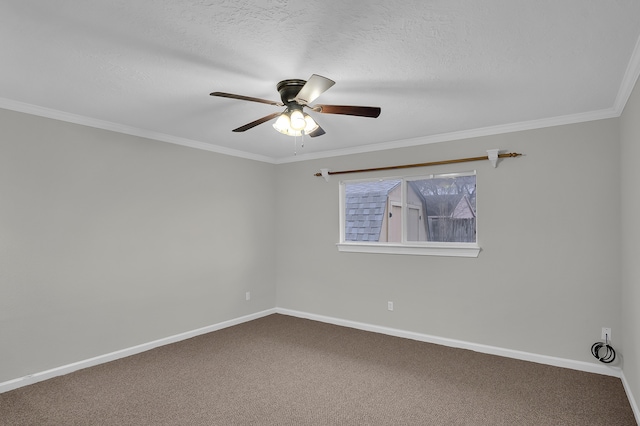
[[438, 69]]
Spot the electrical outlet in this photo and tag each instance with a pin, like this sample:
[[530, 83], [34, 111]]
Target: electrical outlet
[[390, 306], [247, 295], [606, 333]]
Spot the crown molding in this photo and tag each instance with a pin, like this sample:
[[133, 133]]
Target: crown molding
[[631, 75], [464, 134], [127, 130], [423, 140]]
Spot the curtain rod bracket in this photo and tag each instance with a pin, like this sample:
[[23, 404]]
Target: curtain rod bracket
[[493, 156], [325, 174]]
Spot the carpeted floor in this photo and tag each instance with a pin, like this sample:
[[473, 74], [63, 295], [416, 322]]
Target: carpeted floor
[[281, 370]]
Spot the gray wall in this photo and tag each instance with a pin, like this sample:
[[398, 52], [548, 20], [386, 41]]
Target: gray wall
[[630, 150], [548, 276], [109, 241]]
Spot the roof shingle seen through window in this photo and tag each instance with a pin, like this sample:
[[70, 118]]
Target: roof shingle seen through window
[[364, 210]]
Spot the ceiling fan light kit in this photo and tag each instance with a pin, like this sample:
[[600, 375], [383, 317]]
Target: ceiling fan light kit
[[297, 120], [296, 95], [295, 123]]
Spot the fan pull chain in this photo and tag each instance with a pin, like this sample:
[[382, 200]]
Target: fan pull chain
[[295, 142]]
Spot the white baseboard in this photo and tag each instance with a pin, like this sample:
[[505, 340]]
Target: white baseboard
[[632, 400], [101, 359], [493, 350], [508, 353]]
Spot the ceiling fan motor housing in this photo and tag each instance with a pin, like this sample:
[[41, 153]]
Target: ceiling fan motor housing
[[288, 90]]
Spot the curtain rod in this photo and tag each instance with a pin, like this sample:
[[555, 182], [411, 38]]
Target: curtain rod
[[493, 157]]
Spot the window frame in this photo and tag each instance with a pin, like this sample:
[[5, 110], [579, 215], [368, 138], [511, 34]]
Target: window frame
[[424, 248]]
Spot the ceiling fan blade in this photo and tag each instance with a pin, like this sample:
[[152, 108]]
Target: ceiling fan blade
[[360, 111], [258, 121], [246, 98], [314, 87], [317, 132]]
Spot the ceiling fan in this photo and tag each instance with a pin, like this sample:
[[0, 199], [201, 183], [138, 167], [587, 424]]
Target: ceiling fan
[[295, 96]]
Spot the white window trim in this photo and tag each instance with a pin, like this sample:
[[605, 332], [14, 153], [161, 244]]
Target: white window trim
[[468, 250], [406, 248]]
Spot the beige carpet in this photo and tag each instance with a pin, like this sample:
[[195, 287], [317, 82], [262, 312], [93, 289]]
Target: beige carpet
[[281, 370]]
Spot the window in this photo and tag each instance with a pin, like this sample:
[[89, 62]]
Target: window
[[432, 215]]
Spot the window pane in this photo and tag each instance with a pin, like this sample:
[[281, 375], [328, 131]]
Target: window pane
[[371, 212], [442, 209]]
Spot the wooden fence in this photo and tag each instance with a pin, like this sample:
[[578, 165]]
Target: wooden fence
[[448, 229]]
